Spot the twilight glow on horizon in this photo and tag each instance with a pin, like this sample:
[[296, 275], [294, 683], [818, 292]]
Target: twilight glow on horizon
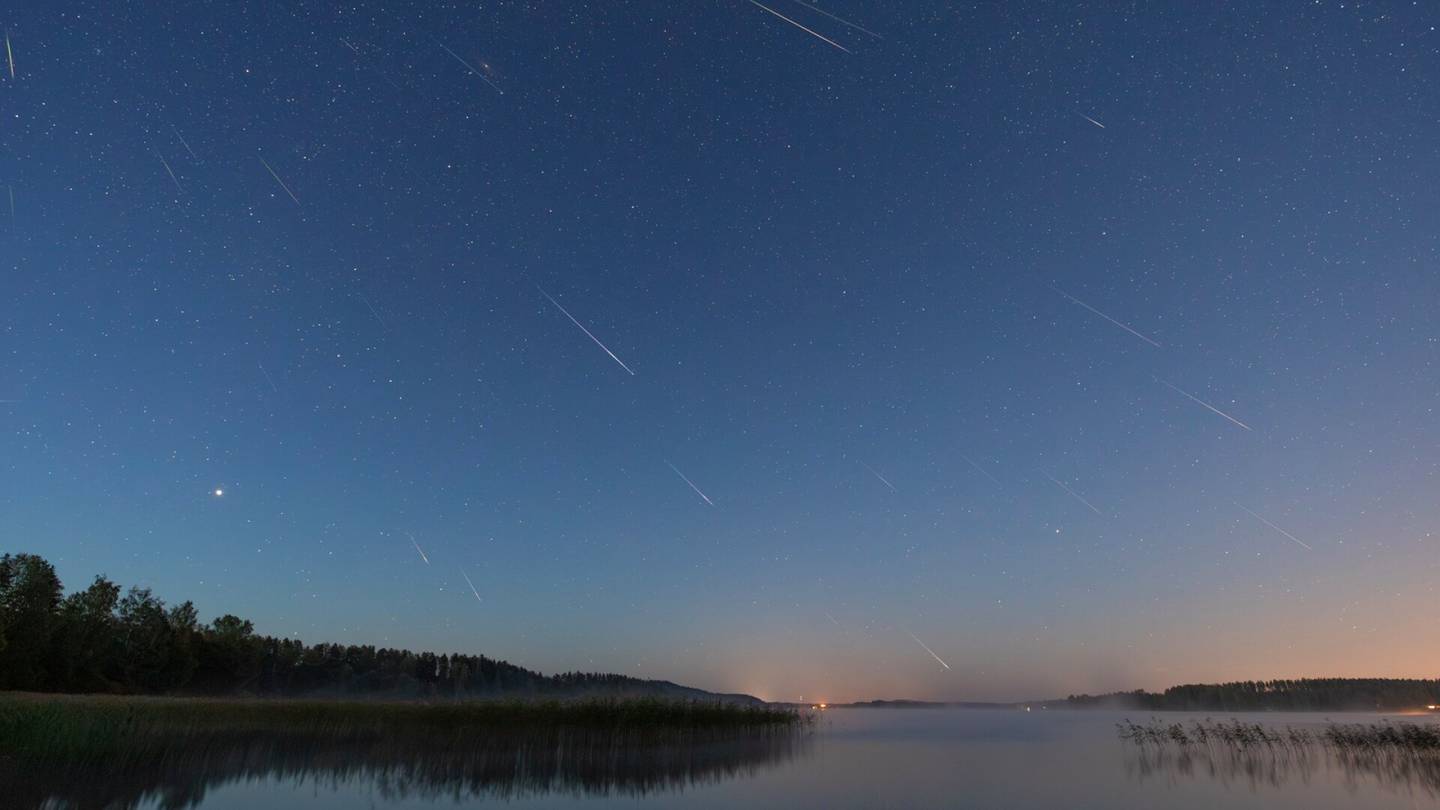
[[926, 350]]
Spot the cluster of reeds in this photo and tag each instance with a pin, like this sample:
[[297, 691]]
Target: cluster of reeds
[[110, 752], [77, 727], [1234, 734], [1242, 736], [1413, 737], [1402, 755]]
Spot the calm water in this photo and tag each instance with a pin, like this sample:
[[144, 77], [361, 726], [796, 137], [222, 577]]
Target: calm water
[[854, 758]]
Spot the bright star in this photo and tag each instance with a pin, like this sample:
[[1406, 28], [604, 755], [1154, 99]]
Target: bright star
[[219, 492]]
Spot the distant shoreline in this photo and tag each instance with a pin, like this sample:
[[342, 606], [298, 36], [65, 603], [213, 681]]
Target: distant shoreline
[[1384, 695], [1062, 706]]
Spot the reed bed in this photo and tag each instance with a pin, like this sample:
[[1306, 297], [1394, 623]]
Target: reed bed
[[109, 753], [76, 728], [1402, 755], [1386, 737]]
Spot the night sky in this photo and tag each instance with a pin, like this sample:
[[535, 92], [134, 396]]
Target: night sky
[[1093, 345]]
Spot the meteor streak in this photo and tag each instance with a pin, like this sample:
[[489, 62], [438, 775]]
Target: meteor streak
[[183, 142], [840, 20], [268, 378], [980, 469], [1103, 315], [1302, 543], [927, 649], [169, 171], [1072, 492], [1202, 402], [587, 332], [9, 55], [691, 483], [472, 586], [471, 68], [366, 302], [882, 478], [278, 180], [809, 31], [1091, 120], [417, 548]]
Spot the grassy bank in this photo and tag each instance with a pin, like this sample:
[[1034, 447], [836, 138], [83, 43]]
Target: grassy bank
[[68, 727], [79, 752]]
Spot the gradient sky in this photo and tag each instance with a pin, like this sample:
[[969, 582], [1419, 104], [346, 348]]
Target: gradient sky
[[923, 320]]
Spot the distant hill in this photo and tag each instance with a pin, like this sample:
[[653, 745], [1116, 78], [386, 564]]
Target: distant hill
[[668, 689], [1305, 694]]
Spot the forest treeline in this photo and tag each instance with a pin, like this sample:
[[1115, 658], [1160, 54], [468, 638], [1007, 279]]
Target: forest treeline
[[98, 640], [1305, 694]]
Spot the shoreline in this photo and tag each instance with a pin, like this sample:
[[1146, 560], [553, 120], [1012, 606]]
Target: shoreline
[[57, 726]]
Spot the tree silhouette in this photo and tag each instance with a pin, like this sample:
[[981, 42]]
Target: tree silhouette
[[95, 640], [29, 602]]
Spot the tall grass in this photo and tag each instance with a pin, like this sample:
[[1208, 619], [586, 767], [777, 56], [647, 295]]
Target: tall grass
[[58, 727], [114, 753]]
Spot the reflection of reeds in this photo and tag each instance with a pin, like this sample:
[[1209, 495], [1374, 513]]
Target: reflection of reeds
[[174, 751], [1354, 737], [1393, 754], [79, 727]]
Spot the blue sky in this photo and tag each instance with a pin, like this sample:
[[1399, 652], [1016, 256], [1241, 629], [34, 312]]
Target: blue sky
[[975, 257]]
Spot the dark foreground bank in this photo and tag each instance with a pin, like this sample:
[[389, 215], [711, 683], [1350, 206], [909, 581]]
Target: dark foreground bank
[[68, 727], [82, 752]]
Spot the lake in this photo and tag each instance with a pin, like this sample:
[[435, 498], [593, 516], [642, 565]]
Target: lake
[[851, 758]]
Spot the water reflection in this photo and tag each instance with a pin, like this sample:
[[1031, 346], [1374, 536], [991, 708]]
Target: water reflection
[[1276, 768], [504, 765]]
